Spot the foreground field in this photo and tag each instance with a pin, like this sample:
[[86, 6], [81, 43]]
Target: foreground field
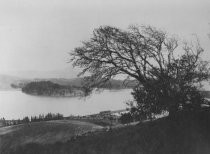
[[188, 133], [43, 133]]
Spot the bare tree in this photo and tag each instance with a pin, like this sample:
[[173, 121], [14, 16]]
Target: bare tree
[[146, 54]]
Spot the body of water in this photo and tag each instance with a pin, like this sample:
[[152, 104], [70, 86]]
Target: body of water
[[15, 104]]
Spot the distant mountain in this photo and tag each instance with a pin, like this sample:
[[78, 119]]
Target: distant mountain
[[19, 78], [63, 81], [8, 82], [77, 82], [63, 73]]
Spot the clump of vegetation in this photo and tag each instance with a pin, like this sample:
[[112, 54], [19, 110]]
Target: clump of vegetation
[[48, 88], [126, 118]]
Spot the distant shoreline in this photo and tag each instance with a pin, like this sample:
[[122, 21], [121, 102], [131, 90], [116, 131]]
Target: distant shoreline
[[12, 89]]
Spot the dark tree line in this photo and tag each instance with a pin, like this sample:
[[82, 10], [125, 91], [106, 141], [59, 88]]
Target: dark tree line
[[14, 122], [47, 117], [46, 88], [26, 120]]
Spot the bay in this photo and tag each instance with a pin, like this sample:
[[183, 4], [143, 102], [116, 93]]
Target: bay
[[15, 104]]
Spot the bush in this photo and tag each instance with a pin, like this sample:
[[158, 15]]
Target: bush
[[126, 118]]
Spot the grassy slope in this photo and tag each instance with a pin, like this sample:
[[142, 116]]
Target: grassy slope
[[42, 133], [187, 134]]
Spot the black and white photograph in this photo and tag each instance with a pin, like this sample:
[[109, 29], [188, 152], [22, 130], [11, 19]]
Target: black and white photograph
[[104, 77]]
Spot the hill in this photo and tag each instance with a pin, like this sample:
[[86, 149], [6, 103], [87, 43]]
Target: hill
[[42, 133], [188, 133], [77, 82]]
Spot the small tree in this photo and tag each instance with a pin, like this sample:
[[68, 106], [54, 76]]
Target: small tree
[[166, 73], [126, 118], [26, 120], [3, 121]]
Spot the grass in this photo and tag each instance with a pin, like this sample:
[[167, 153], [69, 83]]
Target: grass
[[188, 133], [42, 133], [101, 122]]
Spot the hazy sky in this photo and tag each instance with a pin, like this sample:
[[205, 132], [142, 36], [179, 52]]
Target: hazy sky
[[38, 34]]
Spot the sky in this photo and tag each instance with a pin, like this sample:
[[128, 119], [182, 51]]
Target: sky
[[37, 35]]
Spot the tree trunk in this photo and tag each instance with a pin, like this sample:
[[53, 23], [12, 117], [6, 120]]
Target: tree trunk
[[172, 112], [173, 109]]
